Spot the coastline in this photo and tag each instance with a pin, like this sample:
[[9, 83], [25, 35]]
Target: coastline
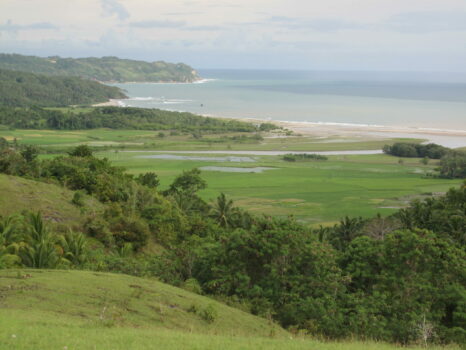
[[444, 137], [447, 138]]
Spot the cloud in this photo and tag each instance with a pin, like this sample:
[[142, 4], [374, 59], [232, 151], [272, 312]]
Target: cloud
[[113, 7], [205, 28], [158, 24], [320, 25], [9, 26], [425, 22]]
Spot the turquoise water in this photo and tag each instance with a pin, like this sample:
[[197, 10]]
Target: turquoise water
[[418, 100]]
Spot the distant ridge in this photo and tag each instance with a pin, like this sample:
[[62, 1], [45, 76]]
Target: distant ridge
[[105, 69]]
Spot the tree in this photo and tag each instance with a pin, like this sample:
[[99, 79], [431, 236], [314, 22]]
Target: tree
[[41, 250], [81, 151], [149, 179], [29, 153], [188, 182], [223, 210], [74, 245]]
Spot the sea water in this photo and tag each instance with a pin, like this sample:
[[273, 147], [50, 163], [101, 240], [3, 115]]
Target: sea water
[[414, 100]]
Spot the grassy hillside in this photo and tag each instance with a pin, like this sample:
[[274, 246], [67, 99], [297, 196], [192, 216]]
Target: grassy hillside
[[20, 89], [102, 69], [53, 201], [86, 310]]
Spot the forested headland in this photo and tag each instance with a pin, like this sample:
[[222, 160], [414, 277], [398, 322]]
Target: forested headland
[[108, 69], [20, 89]]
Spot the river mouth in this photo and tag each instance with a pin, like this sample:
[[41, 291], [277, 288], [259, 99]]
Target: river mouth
[[226, 169]]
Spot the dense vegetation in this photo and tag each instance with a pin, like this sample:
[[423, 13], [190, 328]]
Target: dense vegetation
[[452, 163], [21, 89], [414, 150], [117, 118], [302, 157], [399, 279], [102, 69]]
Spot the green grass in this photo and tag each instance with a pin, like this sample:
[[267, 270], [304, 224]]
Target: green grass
[[54, 202], [138, 139], [317, 192], [42, 309]]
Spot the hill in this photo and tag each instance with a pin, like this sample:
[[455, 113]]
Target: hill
[[87, 310], [102, 69], [20, 89], [53, 201]]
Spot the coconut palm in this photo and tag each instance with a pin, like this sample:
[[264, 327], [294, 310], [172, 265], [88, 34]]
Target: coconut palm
[[9, 242], [74, 245], [41, 250], [223, 210]]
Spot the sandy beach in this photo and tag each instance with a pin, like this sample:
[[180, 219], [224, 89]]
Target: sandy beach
[[109, 103], [447, 138]]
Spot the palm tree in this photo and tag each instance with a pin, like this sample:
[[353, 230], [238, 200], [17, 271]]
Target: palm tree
[[8, 242], [223, 210], [41, 250], [74, 247]]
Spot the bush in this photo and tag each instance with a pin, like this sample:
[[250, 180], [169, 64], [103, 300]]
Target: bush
[[209, 314]]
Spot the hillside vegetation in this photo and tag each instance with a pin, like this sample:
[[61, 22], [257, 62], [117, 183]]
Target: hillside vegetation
[[54, 202], [120, 118], [102, 69], [22, 89], [398, 279], [88, 310]]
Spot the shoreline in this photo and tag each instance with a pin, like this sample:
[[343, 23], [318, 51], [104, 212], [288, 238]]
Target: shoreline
[[445, 137]]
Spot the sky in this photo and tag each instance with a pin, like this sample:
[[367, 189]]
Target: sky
[[393, 35]]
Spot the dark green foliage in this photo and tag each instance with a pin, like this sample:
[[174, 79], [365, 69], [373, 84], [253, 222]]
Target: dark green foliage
[[403, 149], [78, 199], [3, 143], [29, 153], [81, 151], [19, 89], [102, 69], [446, 216], [301, 157], [189, 182], [117, 118], [453, 166], [150, 180]]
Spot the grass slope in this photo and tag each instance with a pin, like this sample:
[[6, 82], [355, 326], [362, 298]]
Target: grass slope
[[53, 201], [42, 309]]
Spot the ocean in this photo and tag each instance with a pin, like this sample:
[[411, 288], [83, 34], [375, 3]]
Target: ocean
[[398, 99]]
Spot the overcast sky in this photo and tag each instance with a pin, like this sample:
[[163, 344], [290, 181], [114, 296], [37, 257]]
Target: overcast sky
[[412, 35]]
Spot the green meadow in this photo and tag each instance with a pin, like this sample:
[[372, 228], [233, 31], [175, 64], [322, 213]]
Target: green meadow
[[317, 192], [153, 140]]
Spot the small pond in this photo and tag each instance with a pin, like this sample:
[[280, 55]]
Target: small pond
[[227, 169], [235, 159]]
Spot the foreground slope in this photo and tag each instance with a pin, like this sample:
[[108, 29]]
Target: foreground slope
[[53, 201], [102, 69], [43, 309]]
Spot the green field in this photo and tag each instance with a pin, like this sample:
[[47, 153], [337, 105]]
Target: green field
[[78, 310], [143, 139], [318, 192]]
